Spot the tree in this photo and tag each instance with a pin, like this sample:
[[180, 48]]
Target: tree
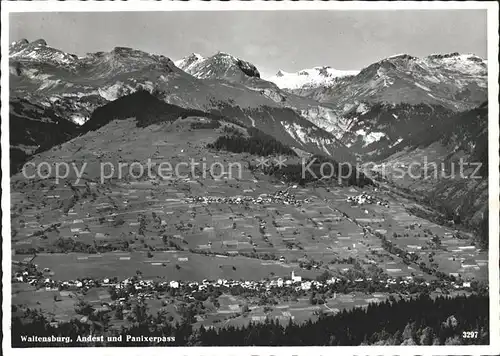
[[119, 313], [451, 322], [408, 342], [455, 340], [140, 313], [409, 331], [427, 336], [83, 308], [397, 338], [312, 299]]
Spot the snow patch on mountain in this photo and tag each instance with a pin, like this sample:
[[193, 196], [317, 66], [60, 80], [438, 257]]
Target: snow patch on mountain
[[78, 119], [422, 87], [362, 108], [187, 63], [464, 63], [39, 51], [369, 138], [397, 142], [327, 119], [306, 136]]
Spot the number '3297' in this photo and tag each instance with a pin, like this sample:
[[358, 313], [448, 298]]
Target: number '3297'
[[469, 334]]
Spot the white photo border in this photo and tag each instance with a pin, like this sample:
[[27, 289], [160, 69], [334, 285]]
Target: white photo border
[[139, 6]]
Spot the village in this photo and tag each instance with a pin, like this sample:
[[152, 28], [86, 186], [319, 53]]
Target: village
[[279, 197], [145, 288]]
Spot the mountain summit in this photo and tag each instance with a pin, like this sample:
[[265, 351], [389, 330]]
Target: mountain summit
[[39, 51], [219, 66]]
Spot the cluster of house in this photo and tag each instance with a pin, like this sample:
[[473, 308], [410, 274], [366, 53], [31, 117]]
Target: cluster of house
[[50, 284], [281, 197], [144, 288], [365, 198], [296, 282], [142, 284]]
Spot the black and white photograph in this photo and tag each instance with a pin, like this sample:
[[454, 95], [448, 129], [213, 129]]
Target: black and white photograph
[[277, 176]]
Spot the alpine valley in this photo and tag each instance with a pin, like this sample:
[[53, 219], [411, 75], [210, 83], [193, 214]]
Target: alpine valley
[[214, 255], [380, 113]]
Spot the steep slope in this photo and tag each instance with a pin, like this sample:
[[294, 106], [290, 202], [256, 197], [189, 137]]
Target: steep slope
[[34, 128], [389, 100], [75, 87], [240, 76], [436, 157], [372, 129], [426, 113]]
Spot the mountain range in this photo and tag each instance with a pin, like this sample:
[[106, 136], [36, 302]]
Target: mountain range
[[73, 87], [381, 113], [456, 81]]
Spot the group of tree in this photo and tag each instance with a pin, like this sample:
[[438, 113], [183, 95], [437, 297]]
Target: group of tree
[[321, 169], [256, 143], [417, 321]]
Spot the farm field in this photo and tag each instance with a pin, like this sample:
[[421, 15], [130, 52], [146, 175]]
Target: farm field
[[192, 267], [248, 227], [323, 230]]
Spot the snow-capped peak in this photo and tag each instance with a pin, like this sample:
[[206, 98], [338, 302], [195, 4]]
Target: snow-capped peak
[[310, 78], [221, 65], [39, 51], [189, 62], [464, 63], [401, 56], [280, 73]]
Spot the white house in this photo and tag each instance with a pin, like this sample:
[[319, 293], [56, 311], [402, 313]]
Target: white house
[[174, 284], [331, 280], [305, 285], [280, 282], [296, 279]]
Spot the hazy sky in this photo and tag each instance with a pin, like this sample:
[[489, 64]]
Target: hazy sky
[[272, 40]]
